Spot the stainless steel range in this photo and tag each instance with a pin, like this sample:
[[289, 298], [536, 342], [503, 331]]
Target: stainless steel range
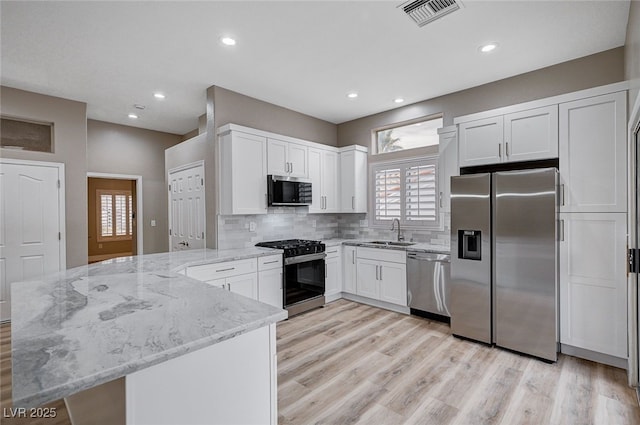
[[304, 273]]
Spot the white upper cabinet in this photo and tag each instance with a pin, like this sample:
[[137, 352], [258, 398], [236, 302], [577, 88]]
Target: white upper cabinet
[[323, 173], [481, 141], [286, 158], [353, 179], [447, 164], [520, 136], [593, 156], [532, 134], [243, 173]]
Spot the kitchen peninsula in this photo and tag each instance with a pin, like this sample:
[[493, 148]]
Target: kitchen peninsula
[[183, 350]]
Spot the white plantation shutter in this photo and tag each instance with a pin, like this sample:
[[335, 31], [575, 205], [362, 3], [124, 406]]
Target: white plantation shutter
[[420, 193], [115, 215], [406, 190], [388, 194]]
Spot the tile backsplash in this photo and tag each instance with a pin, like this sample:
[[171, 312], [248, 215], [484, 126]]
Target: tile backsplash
[[243, 231]]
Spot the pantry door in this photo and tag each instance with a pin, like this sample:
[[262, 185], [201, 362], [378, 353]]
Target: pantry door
[[186, 207], [31, 224]]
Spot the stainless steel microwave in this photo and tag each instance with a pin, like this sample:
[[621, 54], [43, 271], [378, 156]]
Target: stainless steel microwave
[[290, 191]]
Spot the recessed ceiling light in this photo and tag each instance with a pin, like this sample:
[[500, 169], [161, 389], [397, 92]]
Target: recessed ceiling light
[[228, 41], [398, 100], [159, 95], [489, 47], [352, 95], [133, 116]]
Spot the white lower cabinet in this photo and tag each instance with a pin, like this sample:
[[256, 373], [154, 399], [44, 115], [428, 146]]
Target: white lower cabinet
[[349, 269], [333, 274], [381, 275], [236, 276], [244, 284], [367, 278], [593, 293], [270, 280]]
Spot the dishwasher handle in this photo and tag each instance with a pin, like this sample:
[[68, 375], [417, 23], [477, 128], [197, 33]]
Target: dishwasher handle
[[428, 256]]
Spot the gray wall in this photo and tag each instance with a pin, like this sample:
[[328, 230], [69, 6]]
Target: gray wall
[[236, 108], [632, 52], [119, 149], [590, 71], [70, 145]]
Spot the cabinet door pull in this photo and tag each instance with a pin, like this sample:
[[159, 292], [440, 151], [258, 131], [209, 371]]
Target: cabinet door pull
[[225, 270], [380, 272], [376, 272], [499, 150], [271, 262], [291, 170], [440, 199], [506, 148], [353, 256], [353, 203], [562, 194], [561, 230], [332, 252]]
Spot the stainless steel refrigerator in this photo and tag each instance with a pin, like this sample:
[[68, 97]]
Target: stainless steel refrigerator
[[504, 260]]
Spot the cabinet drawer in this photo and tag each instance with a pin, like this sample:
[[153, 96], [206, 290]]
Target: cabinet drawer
[[222, 270], [381, 254], [333, 251], [270, 262]]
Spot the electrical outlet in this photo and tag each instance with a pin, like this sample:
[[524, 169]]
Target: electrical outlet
[[99, 246], [252, 226], [153, 223]]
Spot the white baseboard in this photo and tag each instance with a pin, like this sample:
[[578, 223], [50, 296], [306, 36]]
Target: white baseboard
[[594, 356]]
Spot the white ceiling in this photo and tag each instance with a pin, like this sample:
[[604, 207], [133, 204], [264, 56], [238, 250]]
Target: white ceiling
[[302, 55]]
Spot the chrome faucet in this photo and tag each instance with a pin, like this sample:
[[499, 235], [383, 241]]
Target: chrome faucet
[[393, 225]]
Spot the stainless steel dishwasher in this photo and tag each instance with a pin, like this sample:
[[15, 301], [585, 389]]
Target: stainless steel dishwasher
[[428, 290]]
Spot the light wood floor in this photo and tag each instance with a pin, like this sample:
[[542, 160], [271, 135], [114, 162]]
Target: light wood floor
[[353, 364], [349, 363]]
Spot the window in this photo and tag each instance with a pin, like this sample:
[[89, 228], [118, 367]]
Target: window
[[115, 215], [406, 190], [26, 135], [408, 135]]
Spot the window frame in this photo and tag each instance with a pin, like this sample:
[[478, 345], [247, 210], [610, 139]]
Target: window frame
[[129, 211], [427, 150], [404, 164]]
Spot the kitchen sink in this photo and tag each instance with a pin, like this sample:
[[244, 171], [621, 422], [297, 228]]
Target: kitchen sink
[[392, 243]]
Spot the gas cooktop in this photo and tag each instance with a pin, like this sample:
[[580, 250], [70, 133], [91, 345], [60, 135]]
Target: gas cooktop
[[295, 247]]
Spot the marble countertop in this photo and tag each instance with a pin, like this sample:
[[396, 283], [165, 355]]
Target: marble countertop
[[418, 246], [86, 326]]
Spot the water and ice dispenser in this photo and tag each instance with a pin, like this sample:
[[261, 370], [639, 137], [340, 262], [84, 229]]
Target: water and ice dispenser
[[470, 244]]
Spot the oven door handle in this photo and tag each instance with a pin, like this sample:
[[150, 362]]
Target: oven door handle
[[304, 258]]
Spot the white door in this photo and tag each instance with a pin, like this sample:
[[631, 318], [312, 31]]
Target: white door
[[277, 164], [532, 134], [30, 228], [367, 278], [270, 287], [186, 208], [244, 284], [315, 175]]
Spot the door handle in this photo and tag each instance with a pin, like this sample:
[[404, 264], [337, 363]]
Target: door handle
[[561, 231], [506, 148], [440, 199], [499, 150], [562, 194], [353, 203], [380, 272], [291, 170], [353, 256]]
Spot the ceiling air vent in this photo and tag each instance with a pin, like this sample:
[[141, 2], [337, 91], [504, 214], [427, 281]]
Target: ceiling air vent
[[424, 11]]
